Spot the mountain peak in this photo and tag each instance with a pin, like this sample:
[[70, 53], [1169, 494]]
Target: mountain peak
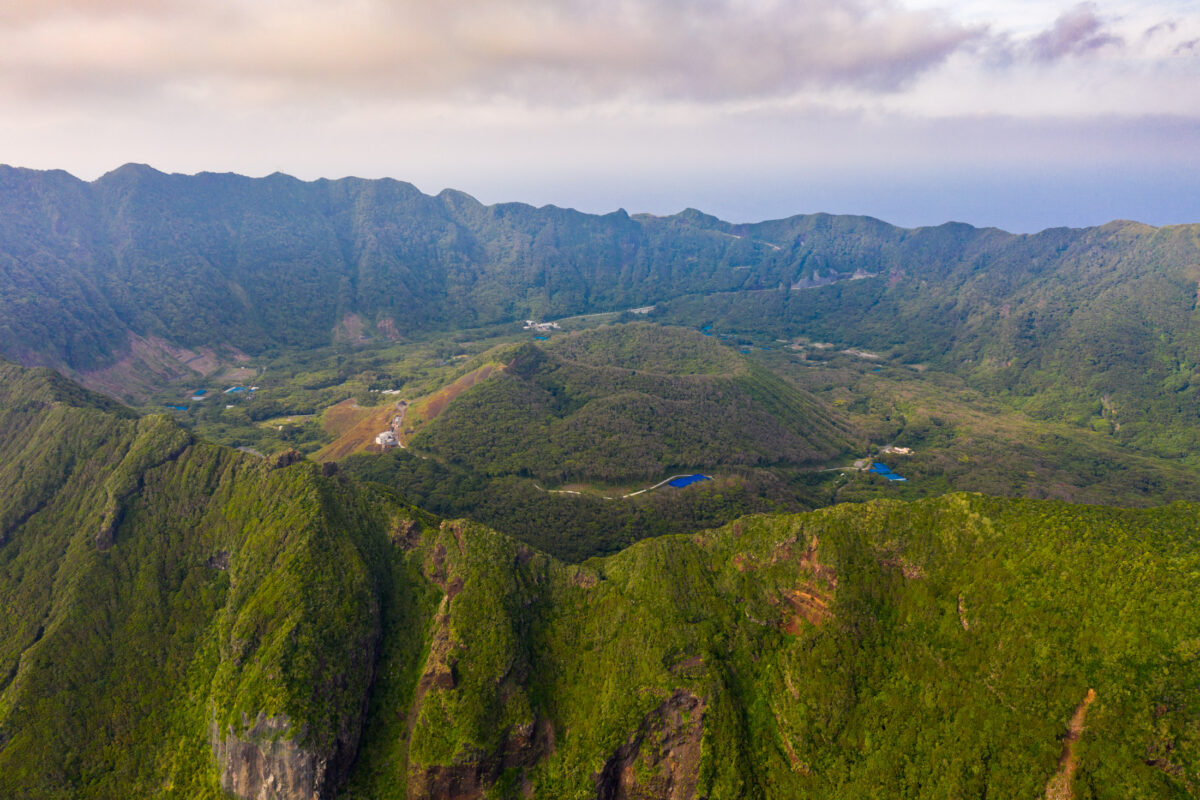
[[131, 170]]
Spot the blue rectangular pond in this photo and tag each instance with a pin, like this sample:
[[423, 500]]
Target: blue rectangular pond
[[688, 480]]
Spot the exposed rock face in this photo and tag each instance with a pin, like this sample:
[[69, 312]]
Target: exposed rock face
[[661, 760], [524, 746], [472, 774], [287, 458], [405, 533], [108, 530], [266, 765]]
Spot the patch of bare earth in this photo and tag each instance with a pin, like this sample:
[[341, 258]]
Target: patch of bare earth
[[387, 328], [810, 602], [350, 329], [148, 364], [354, 426], [238, 374], [428, 407], [1062, 785]]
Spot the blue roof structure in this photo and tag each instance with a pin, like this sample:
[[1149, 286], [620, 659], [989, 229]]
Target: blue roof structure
[[688, 480], [885, 471]]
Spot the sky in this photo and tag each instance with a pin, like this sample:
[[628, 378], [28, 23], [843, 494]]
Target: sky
[[1013, 113]]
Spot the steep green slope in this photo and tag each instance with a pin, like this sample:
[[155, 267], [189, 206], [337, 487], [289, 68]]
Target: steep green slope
[[180, 618], [177, 615], [630, 402], [939, 649], [224, 260]]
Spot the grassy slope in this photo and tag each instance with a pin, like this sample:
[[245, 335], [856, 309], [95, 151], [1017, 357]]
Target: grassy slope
[[964, 440]]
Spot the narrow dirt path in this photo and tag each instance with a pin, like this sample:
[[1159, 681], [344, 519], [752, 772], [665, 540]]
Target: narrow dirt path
[[620, 497], [1061, 786]]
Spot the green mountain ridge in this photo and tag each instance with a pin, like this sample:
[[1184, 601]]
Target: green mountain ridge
[[127, 280], [183, 620]]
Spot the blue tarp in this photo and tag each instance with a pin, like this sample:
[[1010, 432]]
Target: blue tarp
[[542, 338], [177, 408], [199, 392], [688, 480], [885, 471]]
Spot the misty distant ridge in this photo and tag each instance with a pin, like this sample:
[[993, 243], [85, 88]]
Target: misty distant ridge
[[137, 169]]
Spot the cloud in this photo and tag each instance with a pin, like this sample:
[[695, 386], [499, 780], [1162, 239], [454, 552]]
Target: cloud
[[1160, 28], [1076, 32], [556, 51]]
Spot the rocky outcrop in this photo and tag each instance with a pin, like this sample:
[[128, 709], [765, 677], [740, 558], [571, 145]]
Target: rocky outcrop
[[524, 745], [287, 458], [661, 760], [473, 772], [267, 762], [405, 533]]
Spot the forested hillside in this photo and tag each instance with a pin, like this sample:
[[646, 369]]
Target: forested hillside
[[182, 620], [630, 402], [212, 260], [178, 616], [127, 279], [1098, 327]]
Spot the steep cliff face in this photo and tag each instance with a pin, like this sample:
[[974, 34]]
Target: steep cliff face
[[662, 759], [228, 615], [268, 765]]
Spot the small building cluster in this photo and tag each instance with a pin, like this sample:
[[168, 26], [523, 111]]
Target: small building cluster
[[543, 327], [391, 437]]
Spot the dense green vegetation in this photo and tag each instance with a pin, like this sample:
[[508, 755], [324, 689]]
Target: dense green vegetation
[[184, 620], [574, 527], [962, 438], [228, 261], [160, 594], [1096, 327], [611, 405], [237, 610]]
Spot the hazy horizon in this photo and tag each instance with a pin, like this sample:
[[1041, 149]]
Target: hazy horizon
[[749, 203], [1009, 113]]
